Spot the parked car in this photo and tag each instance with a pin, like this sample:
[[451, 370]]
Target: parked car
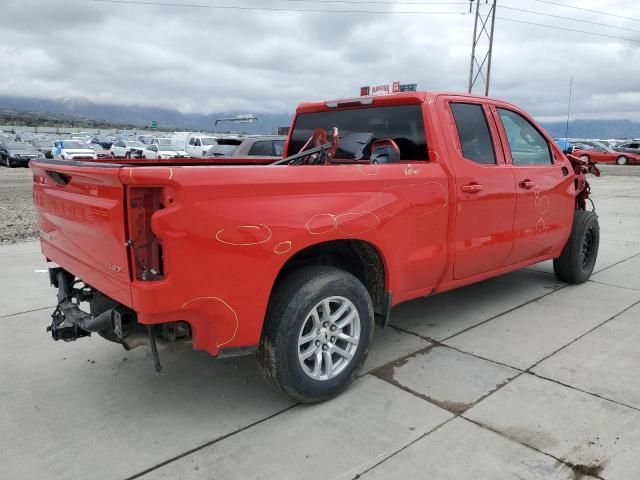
[[420, 193], [163, 151], [127, 149], [13, 154], [99, 150], [629, 148], [163, 141], [104, 141], [268, 146], [599, 153], [146, 139], [72, 150], [197, 144], [44, 146]]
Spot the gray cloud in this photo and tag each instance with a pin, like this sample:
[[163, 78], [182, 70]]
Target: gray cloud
[[205, 60]]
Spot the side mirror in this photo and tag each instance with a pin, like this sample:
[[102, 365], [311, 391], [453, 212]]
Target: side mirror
[[384, 151]]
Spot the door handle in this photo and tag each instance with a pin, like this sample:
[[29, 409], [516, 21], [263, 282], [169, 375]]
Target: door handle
[[527, 184], [472, 188]]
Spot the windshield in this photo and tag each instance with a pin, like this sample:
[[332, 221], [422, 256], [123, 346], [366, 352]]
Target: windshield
[[209, 141], [167, 148], [75, 145], [403, 124], [163, 141], [134, 144], [222, 150]]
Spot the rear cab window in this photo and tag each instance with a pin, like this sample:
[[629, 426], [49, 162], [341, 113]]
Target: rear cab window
[[403, 124]]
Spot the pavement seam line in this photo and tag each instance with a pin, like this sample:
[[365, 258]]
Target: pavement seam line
[[26, 311], [528, 302], [616, 286], [524, 444], [208, 444], [405, 447], [595, 272]]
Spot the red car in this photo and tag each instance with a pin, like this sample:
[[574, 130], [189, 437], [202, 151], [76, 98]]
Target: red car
[[378, 200], [598, 153]]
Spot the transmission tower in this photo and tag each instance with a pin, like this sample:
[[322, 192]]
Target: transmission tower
[[482, 47]]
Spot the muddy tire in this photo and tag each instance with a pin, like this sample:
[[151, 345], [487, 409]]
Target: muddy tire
[[579, 255], [317, 333]]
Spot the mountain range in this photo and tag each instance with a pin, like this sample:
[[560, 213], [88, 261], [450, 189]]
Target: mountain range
[[268, 122]]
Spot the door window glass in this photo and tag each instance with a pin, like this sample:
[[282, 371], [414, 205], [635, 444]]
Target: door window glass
[[527, 145], [473, 132]]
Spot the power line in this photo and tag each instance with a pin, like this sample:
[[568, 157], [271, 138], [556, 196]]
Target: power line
[[274, 9], [568, 18], [599, 12], [379, 2], [568, 29]]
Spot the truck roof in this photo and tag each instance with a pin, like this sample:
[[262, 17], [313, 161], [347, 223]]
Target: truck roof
[[402, 98]]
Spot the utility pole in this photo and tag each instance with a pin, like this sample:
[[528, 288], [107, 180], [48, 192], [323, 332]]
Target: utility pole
[[480, 68]]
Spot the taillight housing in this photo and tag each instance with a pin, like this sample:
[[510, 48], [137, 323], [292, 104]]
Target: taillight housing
[[145, 247]]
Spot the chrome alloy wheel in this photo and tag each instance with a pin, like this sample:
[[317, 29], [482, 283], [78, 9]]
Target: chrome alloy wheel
[[329, 338]]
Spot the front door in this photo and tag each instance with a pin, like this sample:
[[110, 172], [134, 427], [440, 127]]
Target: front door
[[485, 190], [545, 203]]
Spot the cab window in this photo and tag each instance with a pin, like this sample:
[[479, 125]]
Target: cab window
[[403, 124], [527, 145], [473, 132]]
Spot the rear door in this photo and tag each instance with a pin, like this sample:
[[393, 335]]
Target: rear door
[[484, 187], [544, 186], [81, 216]]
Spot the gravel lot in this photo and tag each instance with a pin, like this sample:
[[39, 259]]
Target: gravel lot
[[17, 215]]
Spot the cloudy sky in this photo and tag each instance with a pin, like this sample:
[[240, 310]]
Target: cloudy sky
[[197, 59]]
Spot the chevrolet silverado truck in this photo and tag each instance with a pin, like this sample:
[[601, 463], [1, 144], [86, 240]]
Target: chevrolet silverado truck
[[378, 200]]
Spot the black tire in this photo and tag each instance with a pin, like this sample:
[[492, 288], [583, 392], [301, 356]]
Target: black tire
[[9, 163], [127, 155], [621, 160], [291, 302], [576, 262]]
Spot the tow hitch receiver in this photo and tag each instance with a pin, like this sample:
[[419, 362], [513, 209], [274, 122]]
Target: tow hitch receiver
[[68, 321]]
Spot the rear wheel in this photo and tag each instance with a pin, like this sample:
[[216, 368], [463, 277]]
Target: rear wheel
[[621, 160], [578, 258], [317, 333]]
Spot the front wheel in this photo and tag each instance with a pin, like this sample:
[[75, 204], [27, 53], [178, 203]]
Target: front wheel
[[578, 258], [317, 333], [9, 163], [621, 160]]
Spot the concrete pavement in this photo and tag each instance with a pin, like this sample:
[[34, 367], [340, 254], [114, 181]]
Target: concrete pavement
[[520, 376]]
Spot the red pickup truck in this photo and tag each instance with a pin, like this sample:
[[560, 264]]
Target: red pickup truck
[[378, 200]]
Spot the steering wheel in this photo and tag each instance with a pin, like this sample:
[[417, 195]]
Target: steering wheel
[[319, 138]]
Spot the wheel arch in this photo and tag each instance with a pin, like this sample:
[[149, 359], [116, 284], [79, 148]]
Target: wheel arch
[[359, 257]]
